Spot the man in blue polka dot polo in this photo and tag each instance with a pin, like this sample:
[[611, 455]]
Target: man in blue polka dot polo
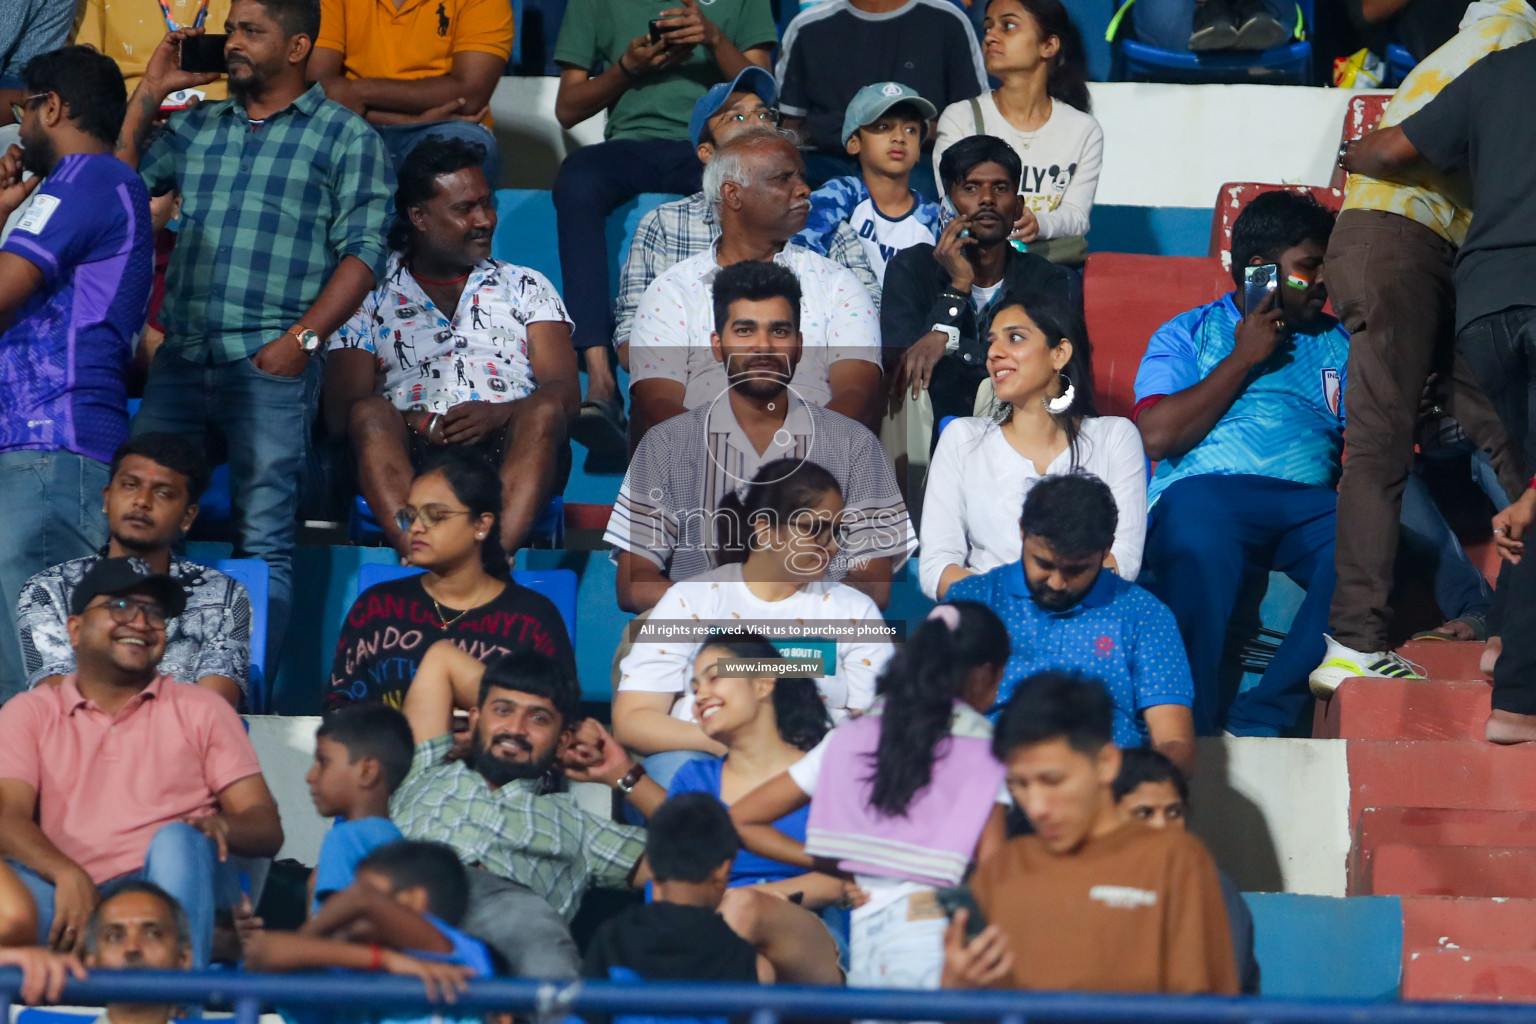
[[1065, 613]]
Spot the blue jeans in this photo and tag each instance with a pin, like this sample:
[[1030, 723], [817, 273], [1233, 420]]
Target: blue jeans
[[593, 182], [262, 422], [1166, 24], [1429, 542], [1208, 534], [180, 860], [400, 139], [57, 517]]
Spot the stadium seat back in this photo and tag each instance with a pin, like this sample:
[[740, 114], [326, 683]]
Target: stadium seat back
[[1126, 297], [1137, 61], [559, 585], [1235, 195], [256, 576], [1361, 116]]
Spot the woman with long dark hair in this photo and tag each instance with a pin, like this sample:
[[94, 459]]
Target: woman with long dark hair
[[905, 798], [775, 542], [1040, 364], [465, 595], [1041, 110]]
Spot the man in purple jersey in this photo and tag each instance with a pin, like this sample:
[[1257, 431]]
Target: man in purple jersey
[[75, 275]]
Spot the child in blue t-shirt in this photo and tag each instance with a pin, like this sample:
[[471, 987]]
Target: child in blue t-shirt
[[399, 915], [884, 127], [362, 754]]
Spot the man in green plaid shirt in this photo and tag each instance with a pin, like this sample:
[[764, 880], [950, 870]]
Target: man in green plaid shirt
[[284, 197]]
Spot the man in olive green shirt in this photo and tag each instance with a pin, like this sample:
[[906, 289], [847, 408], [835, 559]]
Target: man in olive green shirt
[[649, 89]]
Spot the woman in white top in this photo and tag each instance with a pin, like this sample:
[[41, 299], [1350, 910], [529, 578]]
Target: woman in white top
[[775, 543], [1041, 110], [1041, 366]]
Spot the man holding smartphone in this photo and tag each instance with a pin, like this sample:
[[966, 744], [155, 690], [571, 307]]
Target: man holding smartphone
[[1240, 404], [278, 247]]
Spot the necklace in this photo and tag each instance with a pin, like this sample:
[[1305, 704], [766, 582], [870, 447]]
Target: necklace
[[440, 284], [443, 622]]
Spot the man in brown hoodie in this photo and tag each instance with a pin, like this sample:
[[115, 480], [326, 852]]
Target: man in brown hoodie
[[1090, 902]]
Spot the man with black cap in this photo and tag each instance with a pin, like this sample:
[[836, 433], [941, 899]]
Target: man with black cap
[[120, 773]]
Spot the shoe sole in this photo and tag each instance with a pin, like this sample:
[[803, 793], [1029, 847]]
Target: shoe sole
[[1261, 34], [1216, 37], [1330, 675], [598, 434]]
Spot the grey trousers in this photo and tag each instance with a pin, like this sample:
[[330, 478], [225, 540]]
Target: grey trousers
[[520, 925]]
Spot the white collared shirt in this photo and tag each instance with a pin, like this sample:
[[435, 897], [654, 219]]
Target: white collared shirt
[[426, 360], [670, 338]]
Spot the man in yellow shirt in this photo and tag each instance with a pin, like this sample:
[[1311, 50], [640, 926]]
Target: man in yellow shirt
[[129, 30], [416, 68], [1389, 274]]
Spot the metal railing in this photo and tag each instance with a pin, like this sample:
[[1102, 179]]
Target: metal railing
[[551, 1001]]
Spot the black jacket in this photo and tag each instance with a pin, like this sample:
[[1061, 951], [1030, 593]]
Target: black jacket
[[910, 305]]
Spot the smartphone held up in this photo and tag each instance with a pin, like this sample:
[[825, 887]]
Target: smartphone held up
[[204, 54]]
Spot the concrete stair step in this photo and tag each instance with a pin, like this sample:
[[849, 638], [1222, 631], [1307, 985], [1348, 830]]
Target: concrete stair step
[[1410, 709], [1399, 870], [1442, 922], [1486, 975], [1431, 826], [1445, 659], [1441, 773]]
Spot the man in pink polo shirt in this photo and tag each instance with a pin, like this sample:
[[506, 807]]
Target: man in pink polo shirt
[[121, 773]]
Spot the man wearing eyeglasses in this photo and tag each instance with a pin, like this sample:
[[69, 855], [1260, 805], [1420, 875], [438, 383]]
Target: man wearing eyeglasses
[[74, 282], [682, 228], [120, 773]]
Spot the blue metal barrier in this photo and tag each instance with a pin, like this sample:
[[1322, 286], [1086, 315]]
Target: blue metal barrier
[[552, 1001]]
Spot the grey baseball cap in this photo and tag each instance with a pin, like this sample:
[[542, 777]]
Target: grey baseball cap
[[873, 100]]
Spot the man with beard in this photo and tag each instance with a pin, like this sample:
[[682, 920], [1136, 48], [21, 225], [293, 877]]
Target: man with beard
[[531, 852], [663, 524], [283, 210], [453, 306], [1065, 613], [938, 298], [122, 774], [74, 281], [1239, 403], [150, 500], [755, 183]]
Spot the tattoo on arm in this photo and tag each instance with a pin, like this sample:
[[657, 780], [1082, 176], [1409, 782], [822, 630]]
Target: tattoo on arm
[[130, 141]]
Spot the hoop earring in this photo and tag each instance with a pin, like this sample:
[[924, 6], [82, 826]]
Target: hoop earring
[[1064, 401]]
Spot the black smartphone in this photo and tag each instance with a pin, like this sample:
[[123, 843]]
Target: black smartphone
[[656, 30], [1259, 283], [961, 898], [203, 54]]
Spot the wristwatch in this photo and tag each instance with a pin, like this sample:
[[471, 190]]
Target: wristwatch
[[308, 340], [627, 784]]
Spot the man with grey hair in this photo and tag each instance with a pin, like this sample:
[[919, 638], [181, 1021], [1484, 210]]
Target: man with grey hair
[[139, 927], [756, 187]]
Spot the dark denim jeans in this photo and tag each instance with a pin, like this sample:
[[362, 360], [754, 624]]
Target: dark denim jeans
[[263, 422], [400, 139], [56, 517]]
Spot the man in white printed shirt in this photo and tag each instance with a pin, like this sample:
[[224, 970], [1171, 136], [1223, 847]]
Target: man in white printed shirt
[[756, 184], [454, 348]]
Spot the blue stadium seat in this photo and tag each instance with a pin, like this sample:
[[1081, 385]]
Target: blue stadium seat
[[548, 530], [1140, 62], [1399, 63], [256, 575], [559, 585], [946, 421]]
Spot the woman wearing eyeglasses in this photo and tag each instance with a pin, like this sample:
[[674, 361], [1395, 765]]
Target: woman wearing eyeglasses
[[775, 543], [464, 595]]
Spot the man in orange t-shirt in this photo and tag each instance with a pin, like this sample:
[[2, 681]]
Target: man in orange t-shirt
[[1089, 902], [416, 68]]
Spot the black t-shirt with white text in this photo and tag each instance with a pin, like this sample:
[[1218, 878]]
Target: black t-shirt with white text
[[390, 626]]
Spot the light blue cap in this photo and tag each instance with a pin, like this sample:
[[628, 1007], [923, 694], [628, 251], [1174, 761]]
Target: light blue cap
[[873, 100], [751, 79]]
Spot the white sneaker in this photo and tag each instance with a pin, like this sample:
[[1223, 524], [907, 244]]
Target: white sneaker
[[1341, 663]]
